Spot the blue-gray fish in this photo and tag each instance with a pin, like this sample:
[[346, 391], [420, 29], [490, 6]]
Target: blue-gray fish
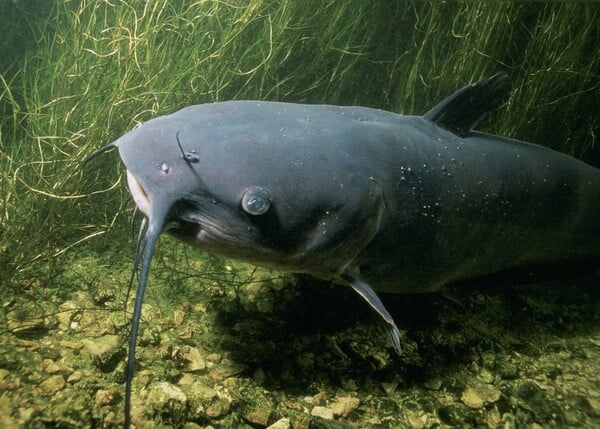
[[358, 196]]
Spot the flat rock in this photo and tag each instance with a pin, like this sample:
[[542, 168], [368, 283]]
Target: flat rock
[[283, 423], [258, 412], [53, 383], [192, 357], [322, 412], [105, 350], [477, 395], [218, 408], [50, 366], [342, 406], [164, 396], [200, 393], [21, 322]]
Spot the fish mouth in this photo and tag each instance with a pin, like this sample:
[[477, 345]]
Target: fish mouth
[[185, 223], [139, 194], [213, 230]]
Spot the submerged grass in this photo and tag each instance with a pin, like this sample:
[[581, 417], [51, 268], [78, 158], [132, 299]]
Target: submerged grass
[[80, 73]]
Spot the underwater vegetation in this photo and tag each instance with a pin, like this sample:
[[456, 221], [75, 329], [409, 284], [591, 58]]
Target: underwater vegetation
[[74, 75]]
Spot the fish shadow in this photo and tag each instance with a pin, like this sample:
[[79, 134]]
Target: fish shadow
[[325, 333]]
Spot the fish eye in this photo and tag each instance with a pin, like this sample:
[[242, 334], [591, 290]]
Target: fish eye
[[256, 201]]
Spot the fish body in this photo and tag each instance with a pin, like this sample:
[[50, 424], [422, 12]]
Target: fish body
[[411, 204]]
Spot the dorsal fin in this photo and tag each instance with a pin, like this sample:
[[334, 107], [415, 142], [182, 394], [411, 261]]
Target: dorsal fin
[[461, 111]]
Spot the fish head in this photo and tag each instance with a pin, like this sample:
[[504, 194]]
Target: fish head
[[168, 186], [220, 178]]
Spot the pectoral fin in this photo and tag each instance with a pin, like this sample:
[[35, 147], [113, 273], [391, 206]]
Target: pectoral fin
[[369, 295]]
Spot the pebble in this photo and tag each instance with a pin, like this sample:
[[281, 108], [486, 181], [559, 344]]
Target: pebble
[[342, 406], [486, 376], [18, 324], [350, 384], [322, 412], [186, 332], [214, 357], [74, 378], [6, 421], [193, 357], [319, 399], [104, 350], [50, 366], [573, 417], [105, 397], [93, 325], [218, 409], [478, 395], [507, 370], [200, 308], [226, 369], [53, 383], [254, 289], [415, 420], [283, 423], [186, 378], [258, 411], [65, 317], [178, 316], [70, 344], [102, 295], [259, 415], [201, 392], [164, 396], [8, 384], [433, 383], [593, 406], [493, 418]]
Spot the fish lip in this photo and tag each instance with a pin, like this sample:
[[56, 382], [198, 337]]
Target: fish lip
[[139, 194]]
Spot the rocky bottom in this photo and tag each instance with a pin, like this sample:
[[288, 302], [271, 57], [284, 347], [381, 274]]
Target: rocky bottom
[[229, 346]]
